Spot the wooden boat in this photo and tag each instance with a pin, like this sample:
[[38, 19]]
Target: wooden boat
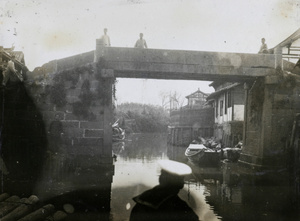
[[232, 154], [201, 155]]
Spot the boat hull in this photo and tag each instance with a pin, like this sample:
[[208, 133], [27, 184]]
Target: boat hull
[[202, 156]]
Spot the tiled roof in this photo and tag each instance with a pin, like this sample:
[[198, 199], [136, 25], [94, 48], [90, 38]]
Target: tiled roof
[[196, 92], [222, 90]]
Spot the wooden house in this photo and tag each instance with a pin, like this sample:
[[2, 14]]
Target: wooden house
[[228, 103]]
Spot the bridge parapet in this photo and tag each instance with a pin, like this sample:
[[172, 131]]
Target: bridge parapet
[[179, 64]]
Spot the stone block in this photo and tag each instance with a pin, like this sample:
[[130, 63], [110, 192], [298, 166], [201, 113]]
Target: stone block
[[91, 125], [43, 106], [61, 115], [48, 115], [68, 108], [70, 117], [93, 133], [72, 99], [68, 85], [74, 133], [73, 92], [70, 124], [97, 142]]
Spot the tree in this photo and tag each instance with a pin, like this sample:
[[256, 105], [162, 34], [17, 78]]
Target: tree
[[171, 100], [146, 118]]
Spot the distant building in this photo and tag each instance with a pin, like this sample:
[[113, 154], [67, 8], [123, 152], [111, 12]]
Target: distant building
[[228, 103], [191, 121], [196, 99]]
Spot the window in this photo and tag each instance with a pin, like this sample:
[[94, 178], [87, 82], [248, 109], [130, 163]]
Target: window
[[221, 107]]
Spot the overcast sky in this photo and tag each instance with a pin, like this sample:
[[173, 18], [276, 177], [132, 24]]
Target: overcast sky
[[46, 30]]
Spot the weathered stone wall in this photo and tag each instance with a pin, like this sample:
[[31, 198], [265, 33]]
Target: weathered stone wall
[[76, 96], [271, 108], [55, 125], [73, 89]]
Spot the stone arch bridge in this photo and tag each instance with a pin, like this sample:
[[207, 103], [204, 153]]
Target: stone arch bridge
[[77, 92], [265, 135]]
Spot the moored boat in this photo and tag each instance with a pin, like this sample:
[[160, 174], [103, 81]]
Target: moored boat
[[203, 156]]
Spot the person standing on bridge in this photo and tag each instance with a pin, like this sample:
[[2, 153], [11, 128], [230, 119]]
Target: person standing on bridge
[[141, 43], [105, 39], [162, 202], [263, 48]]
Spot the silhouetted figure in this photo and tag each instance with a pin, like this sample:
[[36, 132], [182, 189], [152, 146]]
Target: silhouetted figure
[[105, 38], [10, 73], [162, 202], [141, 43], [263, 48]]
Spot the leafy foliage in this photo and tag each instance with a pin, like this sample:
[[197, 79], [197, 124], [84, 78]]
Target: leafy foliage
[[142, 118]]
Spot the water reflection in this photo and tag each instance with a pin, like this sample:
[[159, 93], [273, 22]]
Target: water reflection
[[136, 171], [214, 193]]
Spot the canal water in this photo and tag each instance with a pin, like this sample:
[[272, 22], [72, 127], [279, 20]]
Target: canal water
[[214, 193]]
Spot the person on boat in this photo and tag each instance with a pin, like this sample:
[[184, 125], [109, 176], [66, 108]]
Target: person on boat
[[141, 43], [263, 48], [162, 202]]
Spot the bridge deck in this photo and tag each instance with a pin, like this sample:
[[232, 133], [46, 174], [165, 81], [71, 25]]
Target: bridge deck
[[184, 65], [171, 64]]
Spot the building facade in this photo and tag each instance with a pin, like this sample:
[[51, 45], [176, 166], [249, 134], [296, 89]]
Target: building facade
[[228, 103]]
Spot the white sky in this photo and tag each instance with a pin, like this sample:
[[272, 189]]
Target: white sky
[[46, 30]]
